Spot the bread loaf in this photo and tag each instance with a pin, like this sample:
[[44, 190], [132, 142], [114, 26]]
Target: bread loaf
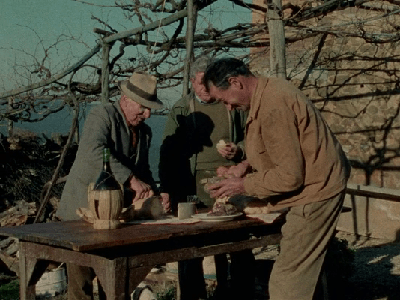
[[256, 207], [221, 144], [150, 208]]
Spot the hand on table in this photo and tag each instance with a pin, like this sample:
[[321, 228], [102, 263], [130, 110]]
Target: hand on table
[[239, 170], [230, 150], [223, 171], [166, 202], [227, 188], [142, 190]]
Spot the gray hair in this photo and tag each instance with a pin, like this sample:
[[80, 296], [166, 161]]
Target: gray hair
[[200, 65], [220, 70]]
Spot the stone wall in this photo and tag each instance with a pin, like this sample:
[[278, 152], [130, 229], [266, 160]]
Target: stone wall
[[356, 85]]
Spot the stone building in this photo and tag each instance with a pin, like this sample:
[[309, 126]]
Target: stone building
[[351, 72]]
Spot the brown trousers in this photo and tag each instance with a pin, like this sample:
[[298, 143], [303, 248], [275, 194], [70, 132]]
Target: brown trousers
[[305, 237]]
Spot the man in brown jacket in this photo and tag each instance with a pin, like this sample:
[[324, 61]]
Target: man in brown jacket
[[118, 126], [293, 161]]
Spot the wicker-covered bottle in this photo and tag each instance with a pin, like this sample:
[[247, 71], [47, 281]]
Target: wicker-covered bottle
[[105, 197]]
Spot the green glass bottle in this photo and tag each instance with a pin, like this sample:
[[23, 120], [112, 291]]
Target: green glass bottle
[[106, 179]]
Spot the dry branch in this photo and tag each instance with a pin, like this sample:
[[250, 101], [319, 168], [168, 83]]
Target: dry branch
[[238, 38], [53, 79], [85, 58]]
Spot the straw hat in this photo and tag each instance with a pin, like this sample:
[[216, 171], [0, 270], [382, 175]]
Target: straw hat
[[142, 88]]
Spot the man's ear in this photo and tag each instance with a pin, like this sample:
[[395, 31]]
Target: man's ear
[[235, 82]]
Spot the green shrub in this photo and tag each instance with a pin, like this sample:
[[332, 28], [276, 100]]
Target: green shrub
[[170, 294], [10, 291]]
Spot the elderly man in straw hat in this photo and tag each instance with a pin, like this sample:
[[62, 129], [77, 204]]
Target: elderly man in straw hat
[[118, 126]]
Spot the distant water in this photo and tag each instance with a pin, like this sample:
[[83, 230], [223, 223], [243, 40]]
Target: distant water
[[61, 122]]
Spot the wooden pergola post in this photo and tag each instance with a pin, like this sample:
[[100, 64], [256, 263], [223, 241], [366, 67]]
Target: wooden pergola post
[[277, 39], [191, 27], [105, 92]]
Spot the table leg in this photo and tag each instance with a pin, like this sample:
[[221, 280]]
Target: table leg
[[31, 269], [112, 275], [117, 279]]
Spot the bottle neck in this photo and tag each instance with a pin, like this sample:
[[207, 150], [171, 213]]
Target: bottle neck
[[106, 160], [106, 166]]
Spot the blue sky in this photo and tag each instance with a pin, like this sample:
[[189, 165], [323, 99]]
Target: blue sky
[[27, 26], [24, 24]]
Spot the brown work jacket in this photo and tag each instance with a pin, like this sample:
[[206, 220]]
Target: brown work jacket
[[296, 157]]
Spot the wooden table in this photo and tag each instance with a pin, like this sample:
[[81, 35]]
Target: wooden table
[[121, 258]]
